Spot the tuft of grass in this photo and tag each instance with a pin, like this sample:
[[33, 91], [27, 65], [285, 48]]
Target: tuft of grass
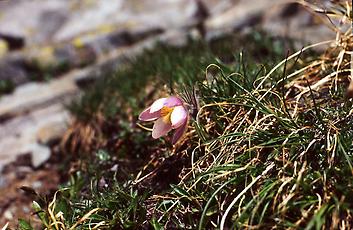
[[113, 150], [108, 110]]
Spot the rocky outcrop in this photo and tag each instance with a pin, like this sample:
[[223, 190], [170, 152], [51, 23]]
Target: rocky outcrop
[[24, 134]]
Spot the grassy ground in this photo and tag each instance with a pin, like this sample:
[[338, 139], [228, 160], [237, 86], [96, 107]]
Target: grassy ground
[[270, 146]]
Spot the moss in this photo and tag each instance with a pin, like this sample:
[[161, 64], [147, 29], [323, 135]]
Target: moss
[[6, 86]]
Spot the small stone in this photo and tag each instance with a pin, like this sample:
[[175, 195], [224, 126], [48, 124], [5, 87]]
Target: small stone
[[114, 168], [40, 154], [8, 215], [36, 185], [176, 38], [51, 132]]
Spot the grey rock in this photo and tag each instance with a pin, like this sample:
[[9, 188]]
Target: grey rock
[[278, 18], [13, 71], [20, 135], [216, 7], [33, 95], [36, 184], [297, 22], [133, 16], [40, 154], [68, 56], [65, 55], [25, 19], [241, 15], [8, 215], [51, 131], [51, 20]]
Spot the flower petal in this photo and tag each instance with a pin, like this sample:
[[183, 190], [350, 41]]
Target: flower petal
[[160, 128], [173, 101], [158, 104], [178, 116], [146, 115], [179, 132]]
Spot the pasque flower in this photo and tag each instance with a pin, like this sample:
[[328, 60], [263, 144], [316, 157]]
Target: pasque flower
[[168, 113]]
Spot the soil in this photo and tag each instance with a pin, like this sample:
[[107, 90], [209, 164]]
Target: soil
[[16, 183]]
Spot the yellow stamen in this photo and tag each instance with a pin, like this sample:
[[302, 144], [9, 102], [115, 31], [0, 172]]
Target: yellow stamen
[[166, 113]]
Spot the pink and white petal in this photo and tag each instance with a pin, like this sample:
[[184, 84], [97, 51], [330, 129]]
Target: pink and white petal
[[178, 116], [146, 115], [179, 132], [158, 104], [160, 128], [173, 101]]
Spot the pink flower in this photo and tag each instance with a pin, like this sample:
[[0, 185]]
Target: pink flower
[[168, 113]]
